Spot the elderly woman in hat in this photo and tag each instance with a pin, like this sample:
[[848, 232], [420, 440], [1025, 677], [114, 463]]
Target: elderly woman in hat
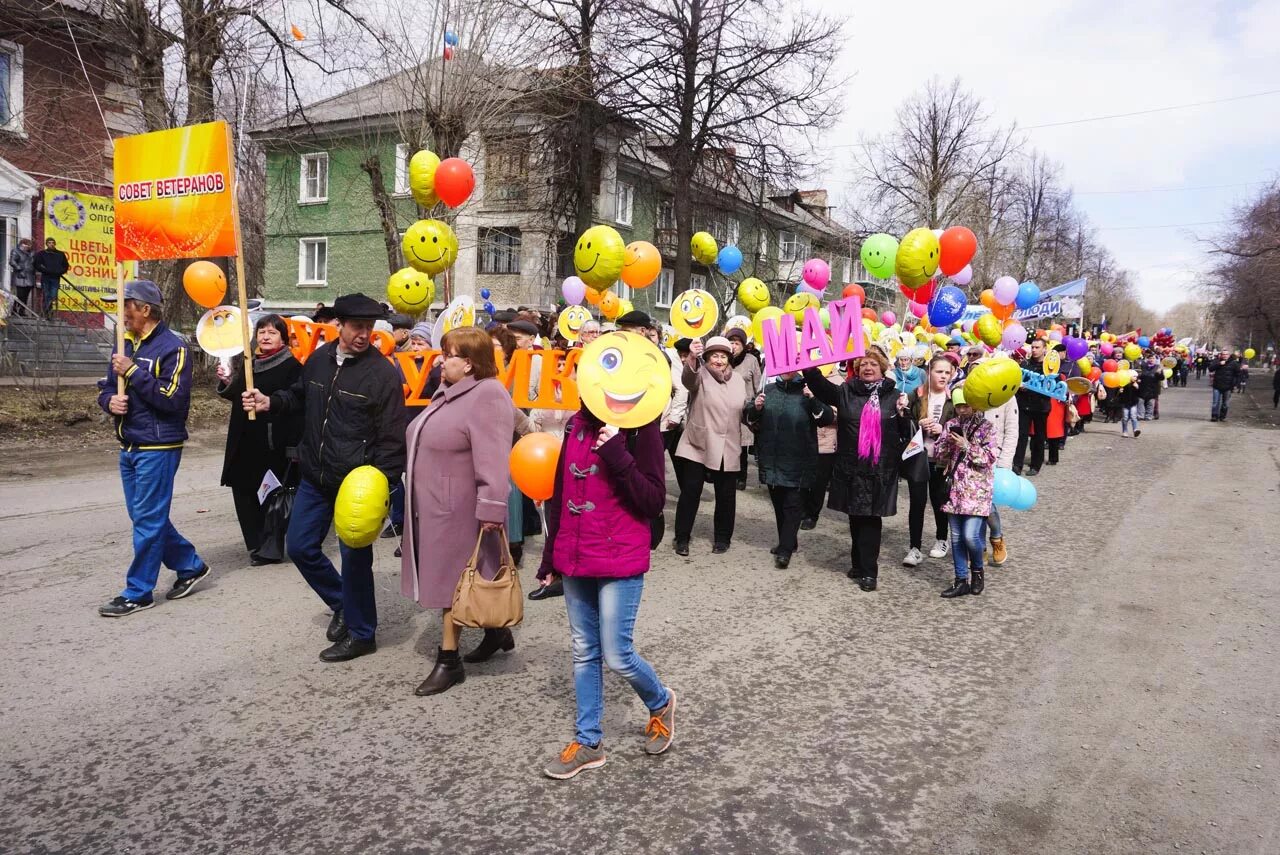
[[712, 441], [873, 427]]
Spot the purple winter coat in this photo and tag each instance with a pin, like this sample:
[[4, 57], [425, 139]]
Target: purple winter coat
[[974, 477], [598, 518]]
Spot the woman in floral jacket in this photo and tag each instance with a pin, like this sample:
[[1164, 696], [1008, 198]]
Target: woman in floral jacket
[[968, 450]]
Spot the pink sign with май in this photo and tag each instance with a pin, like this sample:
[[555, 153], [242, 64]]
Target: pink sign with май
[[785, 352]]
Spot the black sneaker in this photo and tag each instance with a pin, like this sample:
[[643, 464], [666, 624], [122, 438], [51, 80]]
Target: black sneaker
[[186, 584], [120, 607], [1136, 433], [682, 547], [808, 524]]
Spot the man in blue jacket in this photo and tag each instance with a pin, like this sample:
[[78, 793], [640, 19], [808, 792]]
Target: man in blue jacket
[[151, 424]]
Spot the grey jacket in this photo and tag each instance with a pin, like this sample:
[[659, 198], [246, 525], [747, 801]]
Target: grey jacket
[[22, 267]]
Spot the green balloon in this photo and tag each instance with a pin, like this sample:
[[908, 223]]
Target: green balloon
[[878, 255]]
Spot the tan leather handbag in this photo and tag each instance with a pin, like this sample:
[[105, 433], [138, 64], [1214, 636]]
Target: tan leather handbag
[[489, 604]]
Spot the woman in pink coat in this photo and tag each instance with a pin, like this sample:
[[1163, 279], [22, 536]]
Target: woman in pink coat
[[457, 484]]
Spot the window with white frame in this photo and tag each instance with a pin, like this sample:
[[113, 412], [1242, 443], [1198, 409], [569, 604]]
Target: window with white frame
[[623, 203], [402, 170], [313, 183], [792, 246], [500, 251], [313, 262], [733, 231], [841, 269], [666, 293], [10, 86], [623, 290]]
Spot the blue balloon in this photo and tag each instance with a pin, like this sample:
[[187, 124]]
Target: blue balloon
[[485, 294], [1006, 488], [1144, 342], [1026, 499], [947, 306], [1028, 295], [729, 260], [451, 38], [488, 307]]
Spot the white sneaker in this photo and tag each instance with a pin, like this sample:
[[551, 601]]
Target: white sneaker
[[940, 549], [914, 557]]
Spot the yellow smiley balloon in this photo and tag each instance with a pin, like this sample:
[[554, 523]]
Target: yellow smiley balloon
[[992, 383], [917, 258], [218, 332], [753, 294], [422, 178], [430, 246], [694, 313], [738, 322], [768, 313], [624, 380], [410, 291], [363, 500], [598, 257], [704, 248], [1052, 362], [571, 320], [797, 303]]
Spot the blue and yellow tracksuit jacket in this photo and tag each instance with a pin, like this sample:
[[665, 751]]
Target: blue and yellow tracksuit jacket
[[159, 390]]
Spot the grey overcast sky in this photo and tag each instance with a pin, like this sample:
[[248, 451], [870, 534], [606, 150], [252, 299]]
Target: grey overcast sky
[[1155, 185]]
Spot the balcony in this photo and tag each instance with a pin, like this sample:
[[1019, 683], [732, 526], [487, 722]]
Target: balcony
[[666, 242]]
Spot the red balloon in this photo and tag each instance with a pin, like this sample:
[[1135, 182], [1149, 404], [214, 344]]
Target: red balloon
[[454, 181], [854, 291], [1110, 366], [957, 245], [1095, 374], [909, 293], [870, 314], [448, 52], [925, 292]]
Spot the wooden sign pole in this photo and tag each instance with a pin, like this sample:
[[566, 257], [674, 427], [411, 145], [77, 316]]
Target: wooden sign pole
[[241, 291], [120, 321]]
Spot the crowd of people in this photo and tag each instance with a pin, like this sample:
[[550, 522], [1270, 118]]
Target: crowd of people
[[838, 438]]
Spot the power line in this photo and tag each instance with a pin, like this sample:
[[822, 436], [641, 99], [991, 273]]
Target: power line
[[1168, 226], [1153, 110], [1167, 189]]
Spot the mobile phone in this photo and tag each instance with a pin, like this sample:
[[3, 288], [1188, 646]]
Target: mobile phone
[[956, 429]]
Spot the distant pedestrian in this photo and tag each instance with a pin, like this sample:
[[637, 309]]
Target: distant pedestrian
[[1130, 406], [52, 264], [151, 424], [22, 276], [1275, 388], [1223, 376]]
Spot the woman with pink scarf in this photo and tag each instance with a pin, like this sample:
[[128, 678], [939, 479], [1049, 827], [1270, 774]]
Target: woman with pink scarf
[[873, 427]]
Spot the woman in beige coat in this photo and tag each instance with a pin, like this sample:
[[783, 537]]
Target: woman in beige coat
[[457, 485], [712, 440]]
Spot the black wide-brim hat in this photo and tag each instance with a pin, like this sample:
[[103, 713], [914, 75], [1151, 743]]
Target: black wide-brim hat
[[358, 307]]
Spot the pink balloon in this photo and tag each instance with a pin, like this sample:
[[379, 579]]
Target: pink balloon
[[574, 290], [1005, 290], [1105, 348], [917, 309], [802, 288], [888, 319], [964, 277], [817, 273], [967, 326], [1015, 336]]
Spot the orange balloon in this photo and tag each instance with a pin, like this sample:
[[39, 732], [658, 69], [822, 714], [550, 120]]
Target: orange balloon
[[854, 290], [205, 283], [610, 305], [641, 265], [533, 465], [593, 296], [1003, 312], [988, 299]]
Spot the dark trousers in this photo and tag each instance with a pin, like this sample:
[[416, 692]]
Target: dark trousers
[[1025, 421], [815, 497], [934, 493], [352, 592], [49, 291], [23, 293], [1275, 398], [397, 503], [865, 551], [671, 441], [249, 515], [788, 507], [691, 480]]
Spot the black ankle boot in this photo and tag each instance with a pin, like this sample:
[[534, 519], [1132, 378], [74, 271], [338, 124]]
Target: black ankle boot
[[978, 581], [959, 588], [447, 672], [494, 640]]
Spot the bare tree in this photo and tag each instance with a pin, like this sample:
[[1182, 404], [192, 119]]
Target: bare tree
[[1247, 276]]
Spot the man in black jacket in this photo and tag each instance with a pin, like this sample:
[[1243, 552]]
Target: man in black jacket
[[353, 405], [1223, 376], [51, 263], [1033, 410]]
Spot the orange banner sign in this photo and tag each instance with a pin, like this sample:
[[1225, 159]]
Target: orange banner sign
[[173, 194]]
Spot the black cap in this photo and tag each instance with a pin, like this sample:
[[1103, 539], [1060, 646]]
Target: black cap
[[682, 345], [523, 326], [505, 316], [400, 321], [358, 307], [634, 318]]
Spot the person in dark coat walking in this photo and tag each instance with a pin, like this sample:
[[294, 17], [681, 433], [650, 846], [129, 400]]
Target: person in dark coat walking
[[1033, 415], [1223, 376], [22, 275], [1150, 380], [873, 429], [784, 419], [254, 447], [51, 263]]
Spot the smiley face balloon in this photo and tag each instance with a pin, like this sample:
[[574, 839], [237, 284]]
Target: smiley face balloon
[[422, 178], [879, 252], [703, 247], [992, 383], [460, 313], [218, 332], [430, 246], [753, 294], [410, 291], [694, 313], [642, 264], [624, 379], [917, 258], [598, 257], [797, 303], [571, 320]]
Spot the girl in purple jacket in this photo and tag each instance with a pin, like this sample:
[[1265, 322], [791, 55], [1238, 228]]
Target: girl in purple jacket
[[609, 485]]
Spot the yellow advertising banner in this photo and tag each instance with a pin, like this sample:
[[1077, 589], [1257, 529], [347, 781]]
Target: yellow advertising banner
[[173, 194], [84, 227]]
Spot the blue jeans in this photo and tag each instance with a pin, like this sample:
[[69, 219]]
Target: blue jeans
[[49, 293], [1220, 399], [147, 477], [993, 523], [352, 592], [602, 615], [966, 543], [1129, 419], [397, 503]]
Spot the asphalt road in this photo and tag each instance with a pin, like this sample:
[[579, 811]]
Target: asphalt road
[[1114, 691]]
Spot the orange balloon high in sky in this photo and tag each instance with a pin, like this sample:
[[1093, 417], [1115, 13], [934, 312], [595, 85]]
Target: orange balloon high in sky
[[173, 194]]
